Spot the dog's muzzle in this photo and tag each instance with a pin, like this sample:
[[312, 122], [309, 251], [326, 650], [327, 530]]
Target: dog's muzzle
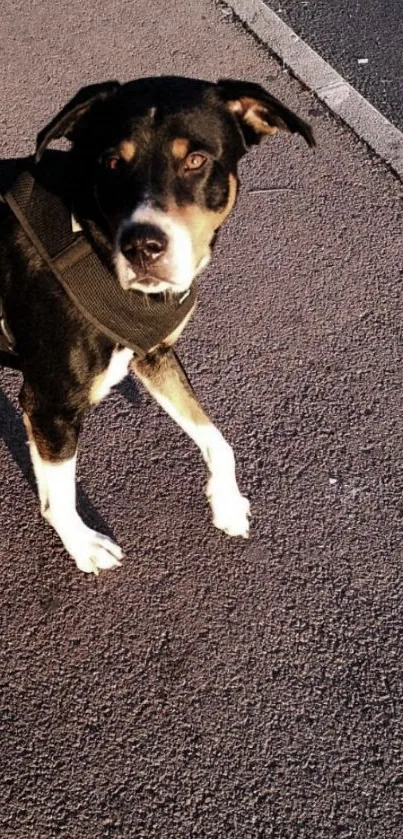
[[154, 252]]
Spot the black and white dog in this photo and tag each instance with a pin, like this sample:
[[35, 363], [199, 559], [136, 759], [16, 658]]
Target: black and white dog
[[152, 176]]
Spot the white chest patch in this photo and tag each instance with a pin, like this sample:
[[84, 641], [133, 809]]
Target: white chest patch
[[114, 373]]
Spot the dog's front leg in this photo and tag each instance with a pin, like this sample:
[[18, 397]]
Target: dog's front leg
[[53, 449], [166, 381]]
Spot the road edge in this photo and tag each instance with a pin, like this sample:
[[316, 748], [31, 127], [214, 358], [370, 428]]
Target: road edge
[[318, 76]]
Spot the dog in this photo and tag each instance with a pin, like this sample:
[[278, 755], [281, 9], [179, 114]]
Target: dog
[[152, 176]]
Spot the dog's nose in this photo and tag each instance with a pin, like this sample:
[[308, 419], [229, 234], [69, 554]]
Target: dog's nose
[[143, 241]]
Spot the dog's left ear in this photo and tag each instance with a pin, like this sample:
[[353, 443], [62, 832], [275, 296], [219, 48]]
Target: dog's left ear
[[66, 120], [259, 113]]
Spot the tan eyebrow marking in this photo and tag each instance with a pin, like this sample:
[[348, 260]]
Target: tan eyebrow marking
[[127, 149], [180, 148]]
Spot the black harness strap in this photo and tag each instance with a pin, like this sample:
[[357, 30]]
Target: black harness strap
[[132, 318]]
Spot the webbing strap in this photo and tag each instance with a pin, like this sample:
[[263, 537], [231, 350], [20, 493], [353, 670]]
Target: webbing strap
[[136, 320]]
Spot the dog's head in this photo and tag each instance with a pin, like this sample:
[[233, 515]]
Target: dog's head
[[160, 158]]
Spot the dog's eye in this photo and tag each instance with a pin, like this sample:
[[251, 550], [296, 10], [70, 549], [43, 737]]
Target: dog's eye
[[111, 161], [194, 161]]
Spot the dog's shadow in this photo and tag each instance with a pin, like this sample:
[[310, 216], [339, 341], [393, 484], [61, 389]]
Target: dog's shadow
[[13, 434], [129, 390]]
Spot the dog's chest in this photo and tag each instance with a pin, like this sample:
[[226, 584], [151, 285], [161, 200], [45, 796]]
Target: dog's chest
[[114, 373]]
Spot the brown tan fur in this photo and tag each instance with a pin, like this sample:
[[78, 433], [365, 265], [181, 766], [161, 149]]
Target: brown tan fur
[[127, 150], [39, 440], [254, 115], [180, 148], [201, 223], [163, 375]]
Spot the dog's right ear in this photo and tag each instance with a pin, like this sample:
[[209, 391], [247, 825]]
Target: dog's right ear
[[66, 120], [259, 113]]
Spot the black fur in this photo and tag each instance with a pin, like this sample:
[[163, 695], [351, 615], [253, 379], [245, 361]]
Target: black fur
[[60, 353]]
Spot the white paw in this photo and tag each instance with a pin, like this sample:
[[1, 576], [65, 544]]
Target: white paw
[[230, 509], [93, 552]]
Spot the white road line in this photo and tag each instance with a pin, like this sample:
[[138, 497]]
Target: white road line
[[317, 75]]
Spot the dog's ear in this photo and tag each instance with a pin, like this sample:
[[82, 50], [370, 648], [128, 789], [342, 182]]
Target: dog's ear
[[66, 120], [259, 113]]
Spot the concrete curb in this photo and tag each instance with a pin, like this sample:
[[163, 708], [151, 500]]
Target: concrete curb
[[317, 75]]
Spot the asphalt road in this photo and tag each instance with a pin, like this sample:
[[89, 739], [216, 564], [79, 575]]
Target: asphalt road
[[344, 32], [217, 688]]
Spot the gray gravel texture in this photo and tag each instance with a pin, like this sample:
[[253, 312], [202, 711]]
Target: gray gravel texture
[[345, 32], [216, 688]]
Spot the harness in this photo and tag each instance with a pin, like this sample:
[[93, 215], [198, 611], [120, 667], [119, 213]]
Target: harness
[[39, 199]]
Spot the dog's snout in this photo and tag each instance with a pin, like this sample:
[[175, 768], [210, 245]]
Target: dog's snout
[[144, 242]]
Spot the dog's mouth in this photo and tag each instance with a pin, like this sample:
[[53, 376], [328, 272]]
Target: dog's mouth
[[138, 278], [148, 281]]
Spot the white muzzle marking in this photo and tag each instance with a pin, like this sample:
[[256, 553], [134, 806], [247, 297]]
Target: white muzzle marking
[[178, 261]]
